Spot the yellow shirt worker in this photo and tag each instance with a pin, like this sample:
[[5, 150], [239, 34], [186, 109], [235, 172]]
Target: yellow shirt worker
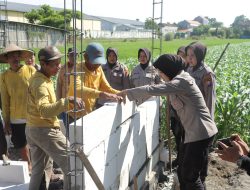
[[43, 130], [14, 85], [92, 84]]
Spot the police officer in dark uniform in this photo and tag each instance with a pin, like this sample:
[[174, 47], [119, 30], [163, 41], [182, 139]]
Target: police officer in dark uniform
[[144, 73], [203, 74], [175, 122], [115, 72]]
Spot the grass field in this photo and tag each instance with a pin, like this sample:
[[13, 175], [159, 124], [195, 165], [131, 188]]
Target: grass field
[[128, 48]]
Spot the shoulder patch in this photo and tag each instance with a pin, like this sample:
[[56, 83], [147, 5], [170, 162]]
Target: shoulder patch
[[207, 79]]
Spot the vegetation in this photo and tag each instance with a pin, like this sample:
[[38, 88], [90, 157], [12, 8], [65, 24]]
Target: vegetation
[[151, 24], [49, 17], [128, 48], [233, 90], [240, 28]]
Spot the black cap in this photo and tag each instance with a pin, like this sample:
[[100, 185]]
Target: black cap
[[49, 53], [71, 50]]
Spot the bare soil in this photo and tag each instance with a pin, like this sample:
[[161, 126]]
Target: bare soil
[[224, 175]]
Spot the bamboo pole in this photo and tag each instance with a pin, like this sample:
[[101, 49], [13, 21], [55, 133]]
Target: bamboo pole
[[169, 132]]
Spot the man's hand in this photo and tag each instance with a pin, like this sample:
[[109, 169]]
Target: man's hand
[[108, 96], [123, 94], [7, 129], [79, 103], [242, 144], [230, 154]]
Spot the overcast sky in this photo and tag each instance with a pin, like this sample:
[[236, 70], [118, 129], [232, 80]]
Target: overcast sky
[[173, 10]]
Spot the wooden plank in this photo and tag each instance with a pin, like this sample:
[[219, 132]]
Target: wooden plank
[[89, 168]]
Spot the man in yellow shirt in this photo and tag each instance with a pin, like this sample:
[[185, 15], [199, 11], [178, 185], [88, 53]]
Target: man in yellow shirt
[[32, 60], [62, 83], [43, 129], [14, 86], [92, 83]]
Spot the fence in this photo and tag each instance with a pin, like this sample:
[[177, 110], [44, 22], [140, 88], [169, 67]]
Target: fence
[[30, 35], [117, 34]]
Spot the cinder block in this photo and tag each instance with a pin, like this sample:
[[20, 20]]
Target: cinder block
[[16, 172]]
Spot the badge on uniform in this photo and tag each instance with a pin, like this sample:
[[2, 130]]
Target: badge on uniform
[[207, 80]]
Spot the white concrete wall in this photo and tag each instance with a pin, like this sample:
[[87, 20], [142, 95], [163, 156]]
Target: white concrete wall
[[118, 139], [117, 34]]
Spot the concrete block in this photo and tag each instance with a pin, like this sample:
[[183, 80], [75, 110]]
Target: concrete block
[[16, 172], [117, 139], [13, 186]]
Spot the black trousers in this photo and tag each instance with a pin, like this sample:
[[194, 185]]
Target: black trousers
[[3, 143], [177, 130], [193, 164]]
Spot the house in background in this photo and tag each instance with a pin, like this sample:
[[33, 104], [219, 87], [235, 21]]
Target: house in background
[[117, 24], [201, 20], [169, 28], [89, 23], [188, 24], [16, 11]]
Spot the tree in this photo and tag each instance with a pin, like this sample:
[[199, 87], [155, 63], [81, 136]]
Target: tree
[[49, 17], [200, 30], [241, 26], [151, 24], [214, 23], [32, 16]]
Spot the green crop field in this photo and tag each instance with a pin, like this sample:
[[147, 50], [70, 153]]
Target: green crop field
[[233, 90], [128, 48]]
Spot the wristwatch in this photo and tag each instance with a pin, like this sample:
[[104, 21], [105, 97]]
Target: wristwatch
[[239, 161]]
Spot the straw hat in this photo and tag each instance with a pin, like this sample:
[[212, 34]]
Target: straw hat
[[24, 53]]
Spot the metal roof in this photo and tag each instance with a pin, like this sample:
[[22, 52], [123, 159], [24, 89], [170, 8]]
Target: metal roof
[[21, 7], [121, 21]]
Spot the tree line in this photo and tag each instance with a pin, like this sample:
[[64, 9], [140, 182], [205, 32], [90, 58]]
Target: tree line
[[240, 28]]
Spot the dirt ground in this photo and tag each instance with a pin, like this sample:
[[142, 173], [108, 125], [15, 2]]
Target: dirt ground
[[222, 175]]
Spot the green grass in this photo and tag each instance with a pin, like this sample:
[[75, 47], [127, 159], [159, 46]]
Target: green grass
[[128, 48]]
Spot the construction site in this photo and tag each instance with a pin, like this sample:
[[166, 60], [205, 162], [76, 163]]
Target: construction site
[[119, 145], [119, 150]]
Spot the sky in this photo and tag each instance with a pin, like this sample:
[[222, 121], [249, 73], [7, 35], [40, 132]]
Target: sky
[[173, 10]]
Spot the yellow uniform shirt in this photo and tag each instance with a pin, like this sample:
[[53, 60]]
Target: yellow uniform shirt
[[14, 86], [61, 83], [43, 107], [89, 85]]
